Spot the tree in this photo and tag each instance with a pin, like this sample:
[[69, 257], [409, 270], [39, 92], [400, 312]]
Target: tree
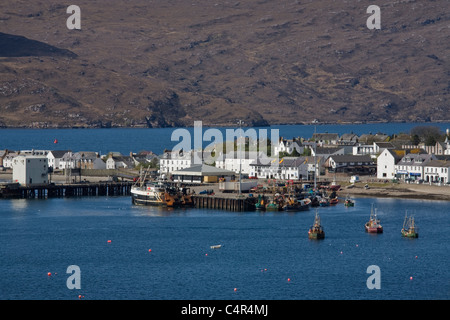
[[427, 134]]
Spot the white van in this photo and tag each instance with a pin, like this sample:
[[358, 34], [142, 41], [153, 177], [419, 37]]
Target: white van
[[354, 179]]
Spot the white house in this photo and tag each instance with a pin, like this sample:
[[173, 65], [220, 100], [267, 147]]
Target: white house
[[437, 171], [54, 158], [233, 162], [117, 162], [288, 146], [288, 168], [412, 166], [30, 170], [171, 161], [386, 162], [350, 163], [69, 160]]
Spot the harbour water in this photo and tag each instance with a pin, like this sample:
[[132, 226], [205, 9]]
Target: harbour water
[[126, 140], [132, 252]]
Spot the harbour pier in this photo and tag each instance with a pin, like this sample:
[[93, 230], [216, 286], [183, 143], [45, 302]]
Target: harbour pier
[[224, 203], [14, 190]]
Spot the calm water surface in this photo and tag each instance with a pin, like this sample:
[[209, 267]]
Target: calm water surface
[[260, 251], [134, 140]]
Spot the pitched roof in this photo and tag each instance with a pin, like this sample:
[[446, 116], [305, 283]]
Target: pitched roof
[[59, 153], [203, 170], [351, 158]]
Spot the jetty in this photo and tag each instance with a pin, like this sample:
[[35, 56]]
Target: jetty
[[43, 191], [223, 202]]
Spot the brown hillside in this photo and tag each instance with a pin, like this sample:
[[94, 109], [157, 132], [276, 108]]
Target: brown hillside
[[168, 63]]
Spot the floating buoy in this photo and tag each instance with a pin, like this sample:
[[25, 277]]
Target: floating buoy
[[235, 289], [109, 241], [341, 252], [49, 274], [410, 278], [416, 257], [288, 279], [149, 250], [206, 254], [56, 141]]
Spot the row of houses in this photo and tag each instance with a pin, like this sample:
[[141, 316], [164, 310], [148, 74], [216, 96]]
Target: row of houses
[[413, 164], [66, 159]]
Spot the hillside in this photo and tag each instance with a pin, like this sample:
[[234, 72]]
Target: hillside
[[167, 63]]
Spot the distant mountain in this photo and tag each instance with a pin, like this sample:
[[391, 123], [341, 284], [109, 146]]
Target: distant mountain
[[166, 63]]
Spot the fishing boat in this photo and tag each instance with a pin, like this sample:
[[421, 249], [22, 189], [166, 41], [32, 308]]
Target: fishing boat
[[149, 194], [159, 193], [324, 202], [273, 206], [349, 202], [373, 225], [217, 246], [334, 200], [260, 204], [316, 231], [409, 229], [297, 205]]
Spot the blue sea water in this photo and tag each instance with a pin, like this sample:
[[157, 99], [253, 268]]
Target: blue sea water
[[126, 140], [260, 252]]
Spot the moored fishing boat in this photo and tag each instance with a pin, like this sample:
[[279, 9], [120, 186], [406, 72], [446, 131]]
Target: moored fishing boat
[[260, 203], [373, 225], [149, 194], [159, 193], [316, 231], [349, 202], [334, 200], [324, 202], [409, 229], [297, 205]]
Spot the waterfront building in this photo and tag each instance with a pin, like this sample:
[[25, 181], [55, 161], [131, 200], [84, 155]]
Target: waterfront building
[[411, 166], [233, 162], [437, 171], [171, 161], [117, 162], [386, 162], [351, 164], [201, 173], [54, 158], [30, 170], [292, 168]]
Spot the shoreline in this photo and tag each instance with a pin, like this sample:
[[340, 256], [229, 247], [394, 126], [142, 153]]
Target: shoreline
[[401, 191]]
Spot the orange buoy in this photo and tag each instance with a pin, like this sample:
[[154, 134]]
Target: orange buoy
[[109, 241], [149, 250], [49, 274], [288, 279]]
